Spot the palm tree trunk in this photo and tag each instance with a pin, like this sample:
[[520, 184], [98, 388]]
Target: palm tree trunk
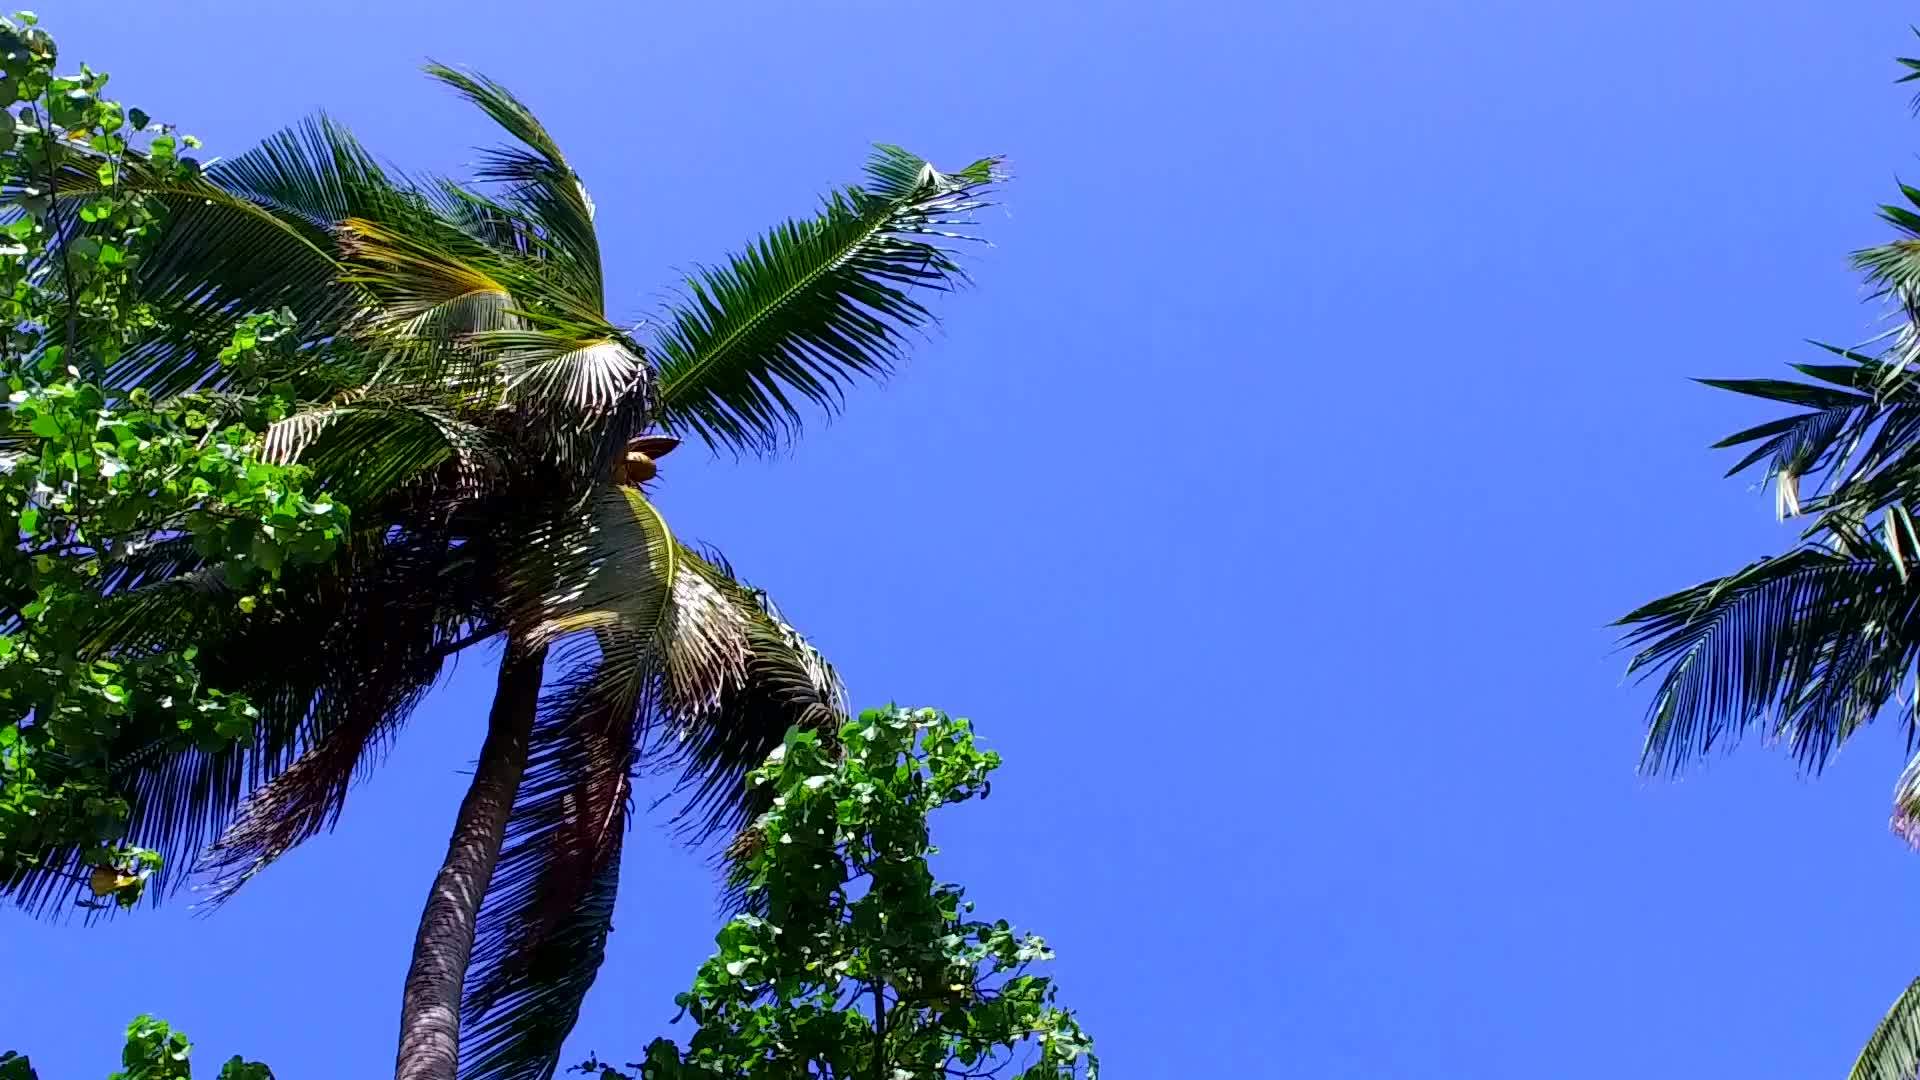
[[430, 1004]]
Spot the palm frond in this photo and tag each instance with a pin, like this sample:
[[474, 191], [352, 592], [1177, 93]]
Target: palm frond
[[583, 379], [222, 258], [1893, 1053], [538, 181], [335, 675], [548, 908], [520, 1022], [425, 285], [742, 677], [310, 222], [1793, 393], [815, 304], [334, 667], [364, 451], [253, 234], [453, 310], [1913, 72], [579, 400], [710, 666], [314, 173], [1858, 438], [1800, 444], [1794, 443], [608, 571], [433, 290], [503, 228], [348, 726], [1816, 640], [152, 562]]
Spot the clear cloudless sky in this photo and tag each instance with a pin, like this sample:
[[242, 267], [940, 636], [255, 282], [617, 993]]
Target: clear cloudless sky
[[1322, 400]]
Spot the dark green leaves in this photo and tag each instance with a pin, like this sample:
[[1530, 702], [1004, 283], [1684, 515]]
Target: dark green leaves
[[1790, 392], [537, 179], [153, 1051], [814, 304], [315, 172], [1812, 643]]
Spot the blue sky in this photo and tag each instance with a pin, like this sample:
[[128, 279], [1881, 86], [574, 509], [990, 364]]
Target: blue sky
[[1322, 400]]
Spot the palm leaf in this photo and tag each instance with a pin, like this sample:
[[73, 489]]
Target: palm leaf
[[335, 678], [1866, 402], [253, 234], [814, 304], [1893, 1053], [716, 673], [271, 228], [334, 666], [573, 576], [464, 319], [1816, 640], [583, 380], [314, 173], [426, 286], [366, 451], [538, 182], [1795, 443], [1895, 265], [348, 726], [742, 678], [549, 905], [1792, 393], [548, 909]]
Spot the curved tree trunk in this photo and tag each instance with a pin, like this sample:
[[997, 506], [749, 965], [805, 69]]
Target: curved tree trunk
[[430, 1005]]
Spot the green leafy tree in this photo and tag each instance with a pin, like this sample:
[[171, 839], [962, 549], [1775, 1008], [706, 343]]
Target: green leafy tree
[[1812, 645], [154, 1051], [105, 489], [852, 961], [457, 382]]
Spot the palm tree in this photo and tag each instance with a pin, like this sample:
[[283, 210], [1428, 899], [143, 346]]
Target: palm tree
[[1812, 645], [464, 390]]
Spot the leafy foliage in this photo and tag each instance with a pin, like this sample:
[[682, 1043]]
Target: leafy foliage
[[853, 962], [99, 486], [154, 1051]]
